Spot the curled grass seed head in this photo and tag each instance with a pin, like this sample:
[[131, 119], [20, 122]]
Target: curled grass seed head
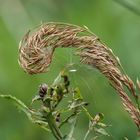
[[37, 48]]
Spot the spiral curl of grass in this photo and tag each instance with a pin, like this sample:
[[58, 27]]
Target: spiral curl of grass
[[36, 53]]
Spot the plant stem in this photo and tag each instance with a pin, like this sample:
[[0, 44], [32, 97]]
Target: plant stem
[[87, 113], [55, 130], [67, 119]]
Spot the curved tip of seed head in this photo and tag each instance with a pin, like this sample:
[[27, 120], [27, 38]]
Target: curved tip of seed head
[[34, 55]]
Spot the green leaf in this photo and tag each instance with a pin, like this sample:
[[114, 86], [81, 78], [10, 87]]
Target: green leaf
[[33, 116], [18, 103], [57, 80], [73, 124], [78, 94], [125, 138], [102, 124], [101, 131], [36, 98]]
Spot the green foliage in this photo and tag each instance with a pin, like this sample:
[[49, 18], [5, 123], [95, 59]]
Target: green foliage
[[49, 114], [116, 25]]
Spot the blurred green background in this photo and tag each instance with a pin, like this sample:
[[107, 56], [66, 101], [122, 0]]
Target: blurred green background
[[118, 27]]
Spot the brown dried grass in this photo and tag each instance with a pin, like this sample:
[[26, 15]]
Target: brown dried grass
[[36, 52]]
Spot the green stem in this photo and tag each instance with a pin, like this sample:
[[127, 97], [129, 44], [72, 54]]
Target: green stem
[[66, 120], [55, 130], [87, 113], [87, 133]]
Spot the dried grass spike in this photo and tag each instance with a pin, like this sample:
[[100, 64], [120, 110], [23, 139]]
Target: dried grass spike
[[37, 47]]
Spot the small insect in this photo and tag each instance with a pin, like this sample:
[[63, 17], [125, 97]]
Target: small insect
[[43, 90]]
